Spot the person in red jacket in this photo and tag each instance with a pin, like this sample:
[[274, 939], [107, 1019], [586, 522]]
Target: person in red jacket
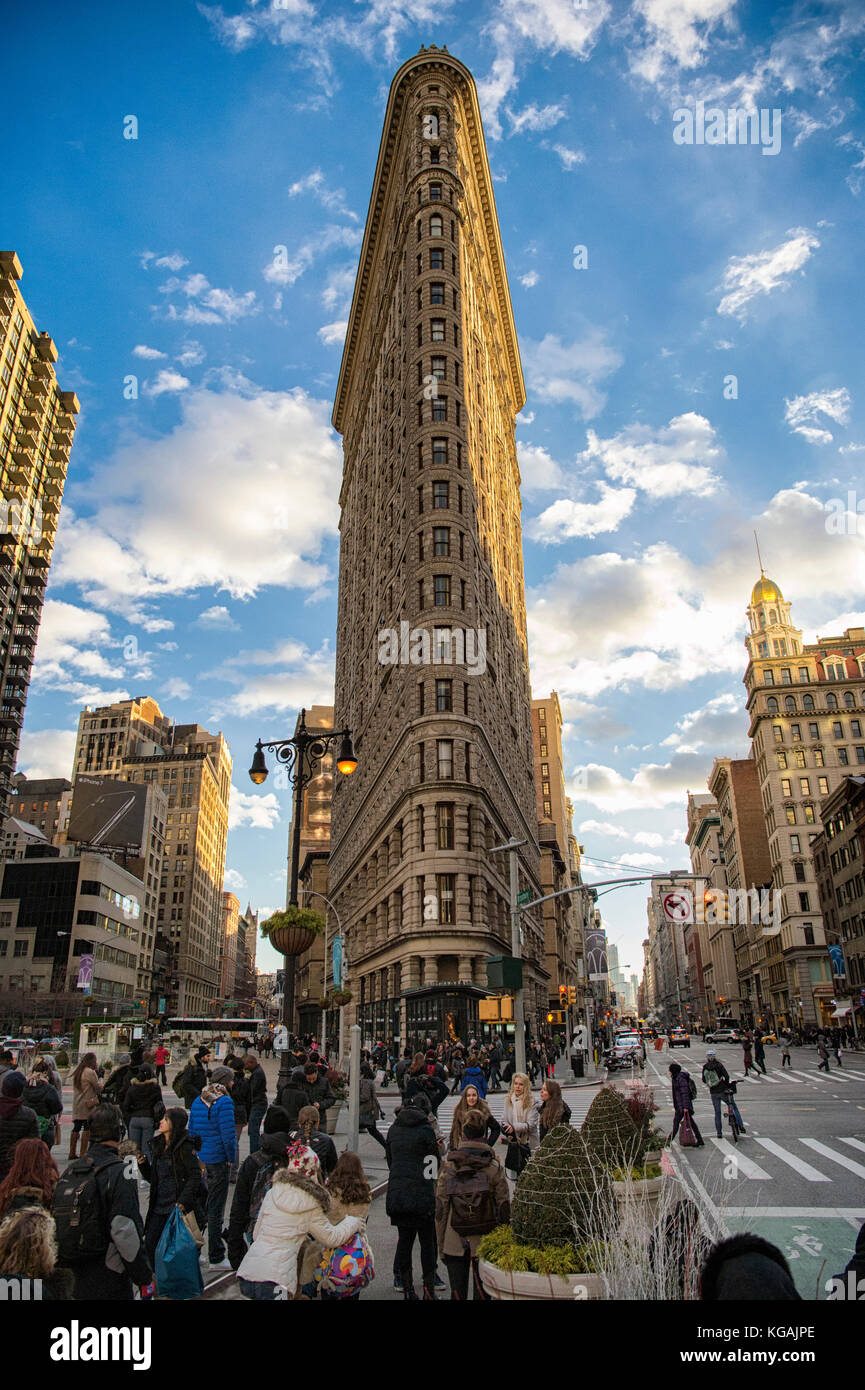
[[160, 1058]]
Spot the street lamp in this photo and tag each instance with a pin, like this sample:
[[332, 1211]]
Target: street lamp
[[300, 756]]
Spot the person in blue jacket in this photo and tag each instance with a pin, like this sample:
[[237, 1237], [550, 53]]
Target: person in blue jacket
[[474, 1076], [211, 1117]]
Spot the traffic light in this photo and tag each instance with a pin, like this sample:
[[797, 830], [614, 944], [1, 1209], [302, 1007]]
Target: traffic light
[[549, 1018], [563, 995], [572, 994]]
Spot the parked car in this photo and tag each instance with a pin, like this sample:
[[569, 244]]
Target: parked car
[[723, 1035]]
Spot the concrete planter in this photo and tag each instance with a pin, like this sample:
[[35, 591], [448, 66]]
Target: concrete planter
[[331, 1116], [522, 1284], [643, 1195]]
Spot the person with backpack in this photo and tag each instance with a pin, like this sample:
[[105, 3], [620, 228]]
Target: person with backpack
[[760, 1051], [295, 1209], [823, 1053], [717, 1078], [172, 1169], [684, 1095], [17, 1120], [747, 1056], [473, 1075], [472, 1198], [100, 1236], [369, 1109], [43, 1097], [115, 1086], [350, 1195], [470, 1103], [143, 1108], [211, 1117], [189, 1083], [31, 1180], [552, 1109], [412, 1153], [309, 1134], [293, 1097], [86, 1093], [421, 1079], [402, 1067], [254, 1178], [457, 1066]]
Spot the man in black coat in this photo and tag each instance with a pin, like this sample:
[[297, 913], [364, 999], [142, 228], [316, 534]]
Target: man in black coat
[[17, 1120], [122, 1262], [257, 1098], [293, 1097], [275, 1139], [412, 1156], [316, 1088]]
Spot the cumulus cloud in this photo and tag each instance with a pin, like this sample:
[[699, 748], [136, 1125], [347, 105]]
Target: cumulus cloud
[[560, 372], [253, 809], [47, 753], [748, 277], [206, 303], [233, 881], [674, 34], [209, 504], [167, 382], [535, 117], [651, 839], [567, 519], [801, 413], [722, 723], [333, 334], [650, 787], [331, 198], [283, 678], [177, 689], [529, 280], [674, 459], [148, 353], [175, 261], [75, 649], [569, 158], [288, 265], [218, 616], [191, 354]]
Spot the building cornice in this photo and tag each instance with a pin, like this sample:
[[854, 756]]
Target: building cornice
[[429, 60]]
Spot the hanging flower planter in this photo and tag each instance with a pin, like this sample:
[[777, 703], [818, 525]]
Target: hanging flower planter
[[325, 1002], [293, 931], [341, 997]]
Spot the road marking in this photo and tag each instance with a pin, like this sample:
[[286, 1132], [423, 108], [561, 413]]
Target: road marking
[[855, 1143], [812, 1075], [773, 1080], [844, 1161], [804, 1169], [746, 1165]]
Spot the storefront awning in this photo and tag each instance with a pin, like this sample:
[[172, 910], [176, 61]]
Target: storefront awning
[[841, 1012]]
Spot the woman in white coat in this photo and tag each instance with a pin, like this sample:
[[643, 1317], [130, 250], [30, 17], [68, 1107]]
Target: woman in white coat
[[519, 1125], [295, 1209]]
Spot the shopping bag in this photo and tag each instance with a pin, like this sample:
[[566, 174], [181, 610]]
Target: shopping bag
[[687, 1138], [190, 1221], [178, 1273]]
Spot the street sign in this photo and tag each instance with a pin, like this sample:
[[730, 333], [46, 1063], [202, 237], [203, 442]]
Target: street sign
[[524, 897], [678, 905]]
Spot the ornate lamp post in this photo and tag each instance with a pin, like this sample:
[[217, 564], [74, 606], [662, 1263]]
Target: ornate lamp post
[[300, 756]]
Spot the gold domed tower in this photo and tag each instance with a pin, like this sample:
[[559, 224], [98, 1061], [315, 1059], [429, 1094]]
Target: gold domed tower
[[771, 629]]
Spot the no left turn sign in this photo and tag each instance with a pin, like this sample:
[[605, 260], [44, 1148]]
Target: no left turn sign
[[678, 905]]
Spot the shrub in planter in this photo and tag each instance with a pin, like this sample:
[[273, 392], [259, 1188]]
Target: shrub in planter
[[609, 1132], [293, 931], [559, 1198], [642, 1172], [501, 1249], [341, 997], [61, 1058]]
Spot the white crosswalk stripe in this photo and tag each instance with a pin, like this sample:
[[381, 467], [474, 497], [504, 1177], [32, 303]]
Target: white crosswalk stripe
[[746, 1165], [854, 1143], [844, 1161], [797, 1164]]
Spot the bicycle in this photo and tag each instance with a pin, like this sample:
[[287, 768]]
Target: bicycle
[[729, 1096]]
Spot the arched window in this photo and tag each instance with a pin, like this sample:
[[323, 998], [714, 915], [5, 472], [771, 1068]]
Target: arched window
[[773, 616], [790, 704], [762, 618], [430, 126], [808, 703], [772, 705], [831, 700], [435, 225], [849, 700]]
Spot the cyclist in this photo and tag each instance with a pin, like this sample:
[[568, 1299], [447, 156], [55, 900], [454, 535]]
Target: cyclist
[[717, 1078]]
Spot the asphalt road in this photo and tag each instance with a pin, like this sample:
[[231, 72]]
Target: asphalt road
[[798, 1175]]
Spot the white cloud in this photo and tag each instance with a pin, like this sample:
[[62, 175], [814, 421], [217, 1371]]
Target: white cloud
[[191, 354], [747, 277], [75, 643], [286, 267], [218, 616], [560, 372], [251, 808], [173, 262], [651, 787], [177, 689], [47, 753], [148, 353], [567, 519], [167, 646], [539, 471], [295, 677], [675, 33], [801, 413], [233, 882], [570, 158], [333, 334], [209, 504], [529, 280], [666, 462], [331, 198], [167, 381], [535, 117], [207, 303], [720, 726], [649, 838]]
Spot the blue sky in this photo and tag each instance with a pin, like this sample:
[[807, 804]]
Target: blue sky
[[701, 375]]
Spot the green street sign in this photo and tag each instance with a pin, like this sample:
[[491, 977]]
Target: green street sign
[[524, 897]]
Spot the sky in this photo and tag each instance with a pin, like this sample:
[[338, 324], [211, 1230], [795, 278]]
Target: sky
[[186, 186]]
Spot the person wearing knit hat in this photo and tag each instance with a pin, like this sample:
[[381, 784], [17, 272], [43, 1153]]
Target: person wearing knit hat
[[222, 1076], [211, 1117], [17, 1120], [294, 1210]]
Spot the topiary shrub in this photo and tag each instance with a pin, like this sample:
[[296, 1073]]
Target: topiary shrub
[[61, 1058], [561, 1197], [499, 1248], [610, 1133]]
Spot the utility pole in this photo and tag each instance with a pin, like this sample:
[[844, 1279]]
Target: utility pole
[[512, 846]]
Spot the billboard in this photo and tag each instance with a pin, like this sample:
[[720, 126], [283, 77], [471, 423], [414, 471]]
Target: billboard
[[596, 954], [107, 812]]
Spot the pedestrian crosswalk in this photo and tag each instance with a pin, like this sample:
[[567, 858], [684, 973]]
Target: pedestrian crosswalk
[[786, 1153]]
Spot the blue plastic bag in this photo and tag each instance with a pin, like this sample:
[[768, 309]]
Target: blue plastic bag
[[178, 1273]]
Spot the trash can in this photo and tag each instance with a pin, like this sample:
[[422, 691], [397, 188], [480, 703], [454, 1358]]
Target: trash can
[[577, 1065], [659, 1044]]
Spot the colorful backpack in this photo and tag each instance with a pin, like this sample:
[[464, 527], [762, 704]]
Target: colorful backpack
[[346, 1269]]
